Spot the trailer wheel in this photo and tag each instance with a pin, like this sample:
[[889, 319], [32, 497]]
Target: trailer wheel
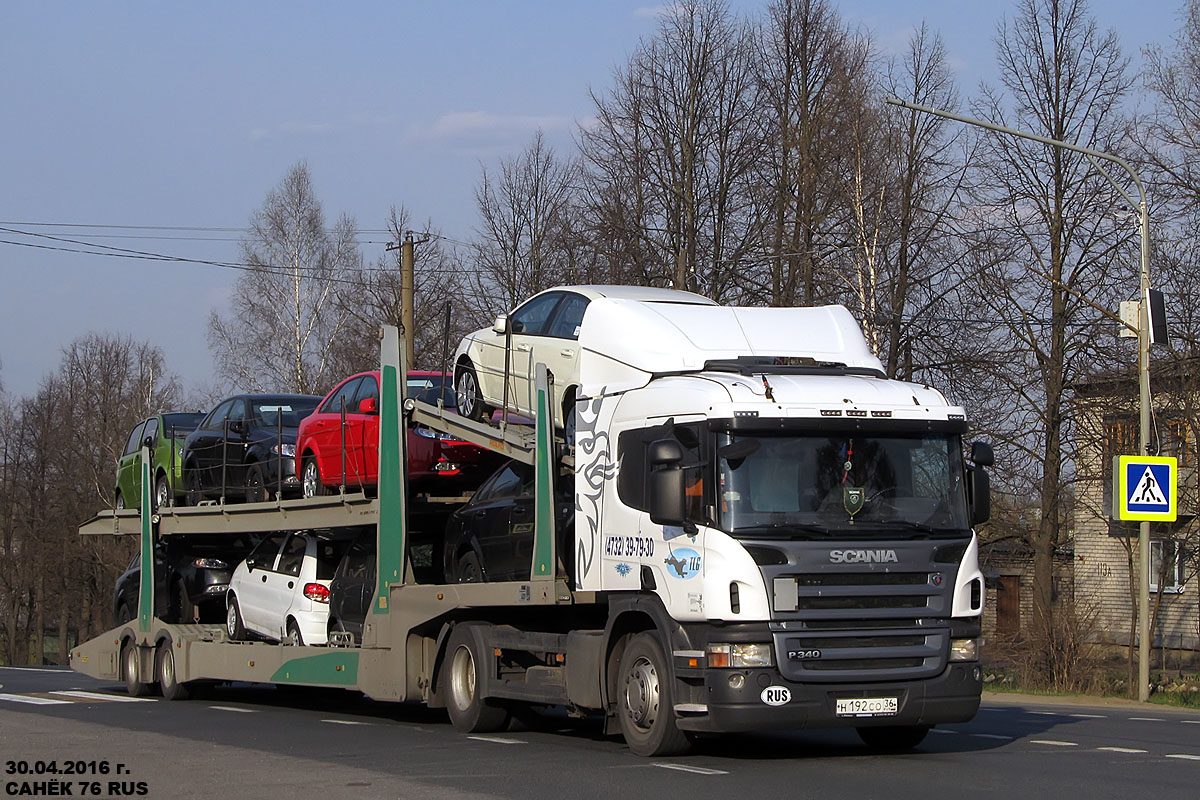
[[164, 667], [459, 681], [645, 700], [893, 738], [233, 621], [129, 665]]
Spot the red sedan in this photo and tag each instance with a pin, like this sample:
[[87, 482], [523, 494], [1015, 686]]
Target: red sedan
[[436, 462]]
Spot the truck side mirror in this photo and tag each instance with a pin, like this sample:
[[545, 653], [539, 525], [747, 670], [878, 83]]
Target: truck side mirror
[[981, 495], [501, 324], [665, 490], [981, 454]]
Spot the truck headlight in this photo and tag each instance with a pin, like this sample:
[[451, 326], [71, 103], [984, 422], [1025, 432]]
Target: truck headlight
[[964, 649], [744, 656]]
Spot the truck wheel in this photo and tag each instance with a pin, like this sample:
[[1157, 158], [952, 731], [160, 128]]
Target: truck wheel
[[164, 667], [459, 683], [893, 738], [467, 394], [256, 492], [162, 493], [469, 569], [645, 700], [310, 479], [233, 621], [129, 664]]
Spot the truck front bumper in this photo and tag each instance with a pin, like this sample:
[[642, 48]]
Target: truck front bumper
[[716, 706]]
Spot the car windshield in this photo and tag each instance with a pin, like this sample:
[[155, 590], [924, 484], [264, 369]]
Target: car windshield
[[812, 485], [181, 423], [289, 411]]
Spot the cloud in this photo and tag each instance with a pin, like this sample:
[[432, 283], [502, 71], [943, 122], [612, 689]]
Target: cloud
[[650, 12]]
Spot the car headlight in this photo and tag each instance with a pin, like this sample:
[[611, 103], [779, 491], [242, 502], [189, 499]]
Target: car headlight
[[964, 649], [429, 434], [745, 656], [285, 450], [210, 563]]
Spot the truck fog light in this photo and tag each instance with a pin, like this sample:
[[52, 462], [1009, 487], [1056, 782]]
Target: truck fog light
[[964, 650], [737, 680], [740, 655]]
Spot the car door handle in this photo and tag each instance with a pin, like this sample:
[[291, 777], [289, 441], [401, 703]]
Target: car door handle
[[291, 584], [264, 578], [565, 353], [521, 348], [518, 509]]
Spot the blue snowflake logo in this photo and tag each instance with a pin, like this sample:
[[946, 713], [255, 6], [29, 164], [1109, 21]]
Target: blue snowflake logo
[[624, 569]]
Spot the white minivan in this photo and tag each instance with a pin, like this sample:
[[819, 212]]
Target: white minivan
[[281, 590]]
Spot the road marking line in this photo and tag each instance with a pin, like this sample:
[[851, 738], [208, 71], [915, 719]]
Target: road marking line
[[1190, 721], [697, 770], [992, 736], [115, 698], [1054, 742], [234, 708], [1045, 713], [1088, 716], [34, 701], [1146, 719], [1120, 749], [496, 739], [1186, 756], [346, 722], [942, 730], [35, 669]]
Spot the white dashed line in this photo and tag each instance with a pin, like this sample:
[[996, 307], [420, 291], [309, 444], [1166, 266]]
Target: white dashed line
[[941, 730], [1120, 750], [234, 708], [1054, 742], [992, 736], [697, 770], [35, 669], [1045, 713], [1145, 719], [346, 722], [1190, 721], [1185, 756], [496, 739], [1088, 716], [115, 698], [34, 701]]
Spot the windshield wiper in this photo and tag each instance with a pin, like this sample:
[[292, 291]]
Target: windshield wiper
[[783, 529]]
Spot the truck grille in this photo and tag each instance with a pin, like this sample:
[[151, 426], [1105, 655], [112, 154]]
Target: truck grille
[[858, 654], [861, 594]]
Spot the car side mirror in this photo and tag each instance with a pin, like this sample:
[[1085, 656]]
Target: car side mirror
[[501, 324], [148, 442], [367, 406], [237, 426]]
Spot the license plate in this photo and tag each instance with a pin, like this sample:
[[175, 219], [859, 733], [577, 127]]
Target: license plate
[[868, 706]]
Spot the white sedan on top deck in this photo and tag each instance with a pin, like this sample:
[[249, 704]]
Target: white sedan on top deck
[[545, 328]]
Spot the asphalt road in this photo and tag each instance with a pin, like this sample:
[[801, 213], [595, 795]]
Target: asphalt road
[[246, 741]]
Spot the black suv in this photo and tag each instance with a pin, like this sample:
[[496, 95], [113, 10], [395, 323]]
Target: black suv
[[353, 586], [191, 578], [246, 448]]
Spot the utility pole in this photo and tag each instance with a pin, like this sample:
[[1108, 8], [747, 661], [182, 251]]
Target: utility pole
[[1143, 334], [407, 289]]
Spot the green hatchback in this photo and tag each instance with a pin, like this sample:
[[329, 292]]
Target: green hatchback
[[164, 435]]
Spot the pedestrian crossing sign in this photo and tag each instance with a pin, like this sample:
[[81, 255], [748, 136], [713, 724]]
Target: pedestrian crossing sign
[[1144, 488]]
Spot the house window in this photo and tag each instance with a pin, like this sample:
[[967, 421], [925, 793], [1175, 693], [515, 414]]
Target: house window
[[1175, 441], [1168, 572]]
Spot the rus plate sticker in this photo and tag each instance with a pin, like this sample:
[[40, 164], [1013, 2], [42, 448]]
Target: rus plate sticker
[[776, 695]]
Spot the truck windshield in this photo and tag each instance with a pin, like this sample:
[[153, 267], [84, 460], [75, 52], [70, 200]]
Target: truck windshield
[[811, 485]]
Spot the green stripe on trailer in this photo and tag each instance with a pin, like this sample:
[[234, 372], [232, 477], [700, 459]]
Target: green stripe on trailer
[[391, 531], [544, 469], [146, 579], [328, 669]]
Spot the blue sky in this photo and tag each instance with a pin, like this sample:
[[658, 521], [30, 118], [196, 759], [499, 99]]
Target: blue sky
[[173, 114]]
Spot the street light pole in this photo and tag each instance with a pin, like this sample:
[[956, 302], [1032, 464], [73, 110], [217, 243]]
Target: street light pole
[[1143, 345]]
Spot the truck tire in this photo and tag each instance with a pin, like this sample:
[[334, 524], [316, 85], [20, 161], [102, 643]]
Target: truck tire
[[459, 682], [646, 700], [164, 668], [893, 738], [233, 621], [129, 662]]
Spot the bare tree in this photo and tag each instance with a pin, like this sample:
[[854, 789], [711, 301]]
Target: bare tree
[[286, 317], [1050, 216]]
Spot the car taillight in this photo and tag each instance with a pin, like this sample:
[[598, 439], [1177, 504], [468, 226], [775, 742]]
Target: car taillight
[[316, 592]]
